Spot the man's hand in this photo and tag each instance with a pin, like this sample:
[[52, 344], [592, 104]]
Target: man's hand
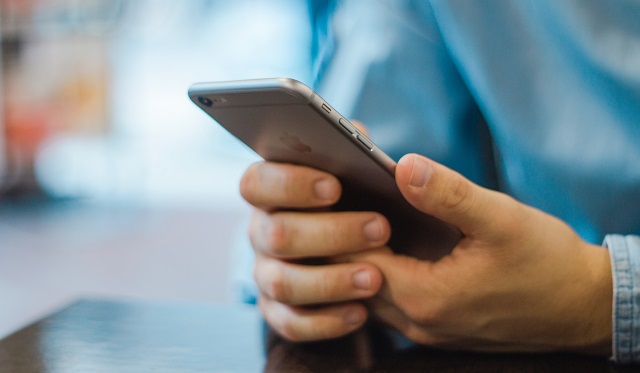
[[520, 280], [302, 301]]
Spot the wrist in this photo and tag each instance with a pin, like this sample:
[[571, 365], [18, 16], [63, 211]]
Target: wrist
[[598, 313]]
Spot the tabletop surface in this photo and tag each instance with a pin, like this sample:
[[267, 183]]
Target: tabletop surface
[[149, 336]]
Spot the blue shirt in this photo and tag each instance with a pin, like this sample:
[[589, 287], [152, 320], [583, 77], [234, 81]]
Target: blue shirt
[[537, 99]]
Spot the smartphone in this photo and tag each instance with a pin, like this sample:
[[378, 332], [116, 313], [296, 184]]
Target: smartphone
[[283, 120]]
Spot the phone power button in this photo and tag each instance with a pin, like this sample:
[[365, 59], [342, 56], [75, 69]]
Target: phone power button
[[364, 141]]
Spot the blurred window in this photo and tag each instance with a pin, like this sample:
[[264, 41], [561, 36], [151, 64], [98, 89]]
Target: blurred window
[[94, 101]]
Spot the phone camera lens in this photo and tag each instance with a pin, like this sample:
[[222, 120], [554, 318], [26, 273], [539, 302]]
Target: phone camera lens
[[205, 101]]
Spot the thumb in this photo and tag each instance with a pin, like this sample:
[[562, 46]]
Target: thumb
[[439, 191]]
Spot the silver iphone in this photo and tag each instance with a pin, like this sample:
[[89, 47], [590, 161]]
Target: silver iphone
[[283, 120]]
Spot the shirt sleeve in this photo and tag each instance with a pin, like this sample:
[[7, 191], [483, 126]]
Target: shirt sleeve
[[625, 265]]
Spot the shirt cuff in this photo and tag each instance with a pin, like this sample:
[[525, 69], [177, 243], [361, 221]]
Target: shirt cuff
[[625, 267]]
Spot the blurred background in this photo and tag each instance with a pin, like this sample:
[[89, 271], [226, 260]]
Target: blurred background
[[112, 182]]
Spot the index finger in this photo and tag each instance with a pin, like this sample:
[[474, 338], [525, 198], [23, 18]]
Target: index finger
[[271, 185]]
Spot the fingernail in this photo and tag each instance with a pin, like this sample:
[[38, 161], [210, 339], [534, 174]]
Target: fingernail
[[324, 189], [420, 172], [373, 230], [353, 317], [362, 280]]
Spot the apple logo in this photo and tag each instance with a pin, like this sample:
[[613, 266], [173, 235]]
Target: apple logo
[[294, 143]]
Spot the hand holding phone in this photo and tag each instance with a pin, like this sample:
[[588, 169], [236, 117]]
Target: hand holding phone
[[325, 191], [483, 298]]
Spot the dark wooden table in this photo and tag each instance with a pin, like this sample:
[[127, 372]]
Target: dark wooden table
[[127, 336]]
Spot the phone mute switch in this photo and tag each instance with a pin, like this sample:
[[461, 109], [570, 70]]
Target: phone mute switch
[[364, 141]]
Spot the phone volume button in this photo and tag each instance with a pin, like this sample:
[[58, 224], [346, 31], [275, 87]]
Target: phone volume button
[[346, 125], [364, 141]]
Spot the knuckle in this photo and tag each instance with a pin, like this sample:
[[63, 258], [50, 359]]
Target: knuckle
[[326, 289], [277, 285], [457, 193], [510, 220], [268, 233], [426, 315], [288, 183], [333, 233], [277, 237], [430, 311], [515, 213]]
